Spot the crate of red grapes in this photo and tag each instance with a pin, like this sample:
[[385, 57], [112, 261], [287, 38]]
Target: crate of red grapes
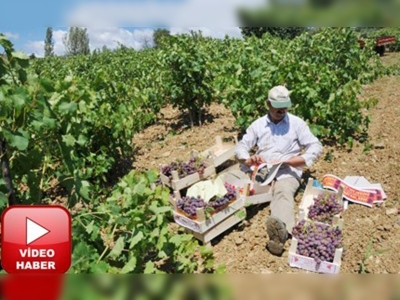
[[200, 216], [317, 238], [316, 247], [179, 175], [321, 205]]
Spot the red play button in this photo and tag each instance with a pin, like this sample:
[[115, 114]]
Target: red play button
[[36, 240], [34, 231]]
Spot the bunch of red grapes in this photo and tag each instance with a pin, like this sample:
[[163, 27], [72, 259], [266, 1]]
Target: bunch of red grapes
[[190, 204], [317, 240], [193, 165], [325, 207]]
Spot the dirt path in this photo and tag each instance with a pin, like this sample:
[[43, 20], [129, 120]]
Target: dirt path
[[371, 236]]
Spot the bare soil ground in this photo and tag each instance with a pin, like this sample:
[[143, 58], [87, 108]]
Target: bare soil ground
[[371, 235]]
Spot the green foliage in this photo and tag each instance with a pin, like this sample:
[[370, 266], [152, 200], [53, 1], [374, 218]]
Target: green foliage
[[159, 35], [49, 43], [128, 233], [127, 81], [363, 267], [328, 156], [68, 132], [187, 65], [324, 70], [281, 32], [63, 136], [76, 42]]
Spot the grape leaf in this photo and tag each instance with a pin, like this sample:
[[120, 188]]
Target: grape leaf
[[150, 268], [118, 247], [16, 140], [136, 239], [130, 266]]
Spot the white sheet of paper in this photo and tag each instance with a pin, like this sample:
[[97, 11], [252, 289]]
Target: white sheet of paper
[[207, 189]]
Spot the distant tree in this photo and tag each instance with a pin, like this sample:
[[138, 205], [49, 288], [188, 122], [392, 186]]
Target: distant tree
[[49, 43], [76, 42], [282, 32], [159, 35], [105, 49], [146, 42], [123, 48], [198, 34], [32, 56]]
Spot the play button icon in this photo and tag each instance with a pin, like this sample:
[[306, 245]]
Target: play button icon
[[36, 239], [34, 231]]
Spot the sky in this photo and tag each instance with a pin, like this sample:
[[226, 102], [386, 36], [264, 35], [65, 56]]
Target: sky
[[109, 23]]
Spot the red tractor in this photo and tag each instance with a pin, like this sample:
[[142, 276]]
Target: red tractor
[[380, 43]]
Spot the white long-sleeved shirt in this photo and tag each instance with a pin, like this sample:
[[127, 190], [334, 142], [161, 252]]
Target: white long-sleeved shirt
[[280, 141]]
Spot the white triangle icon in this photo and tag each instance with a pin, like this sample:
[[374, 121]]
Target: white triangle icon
[[34, 231]]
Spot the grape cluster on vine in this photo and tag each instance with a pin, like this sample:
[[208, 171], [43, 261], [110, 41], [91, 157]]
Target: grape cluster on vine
[[190, 204], [324, 208], [193, 165], [317, 240]]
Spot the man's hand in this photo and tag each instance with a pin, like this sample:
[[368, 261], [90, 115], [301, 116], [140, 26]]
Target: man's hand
[[274, 162], [295, 161], [254, 160]]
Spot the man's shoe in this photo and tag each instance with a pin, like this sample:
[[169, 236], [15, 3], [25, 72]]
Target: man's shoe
[[277, 234]]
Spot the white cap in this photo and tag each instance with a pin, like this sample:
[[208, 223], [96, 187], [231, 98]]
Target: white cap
[[278, 96]]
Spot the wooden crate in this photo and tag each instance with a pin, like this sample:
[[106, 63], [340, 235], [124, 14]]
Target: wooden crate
[[202, 224], [220, 152], [243, 182], [308, 198], [263, 194], [177, 184], [221, 227], [309, 264]]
